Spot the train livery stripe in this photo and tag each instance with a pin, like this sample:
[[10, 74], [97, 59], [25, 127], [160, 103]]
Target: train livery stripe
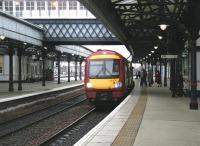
[[104, 83], [105, 57]]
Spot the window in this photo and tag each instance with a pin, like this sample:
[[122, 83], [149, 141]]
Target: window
[[30, 5], [72, 5], [19, 6], [1, 5], [52, 5], [104, 68], [82, 7], [62, 5], [1, 64], [9, 7], [40, 5]]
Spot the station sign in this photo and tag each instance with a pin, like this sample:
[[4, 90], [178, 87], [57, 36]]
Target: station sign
[[169, 56]]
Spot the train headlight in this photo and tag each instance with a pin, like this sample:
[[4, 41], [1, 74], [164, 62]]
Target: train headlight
[[89, 85], [118, 85]]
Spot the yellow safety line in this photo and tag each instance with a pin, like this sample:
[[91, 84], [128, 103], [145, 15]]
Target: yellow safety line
[[128, 133]]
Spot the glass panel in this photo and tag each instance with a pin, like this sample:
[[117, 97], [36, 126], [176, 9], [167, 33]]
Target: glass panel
[[104, 68], [72, 5], [1, 6], [40, 5], [30, 5], [9, 7], [82, 7], [19, 7], [52, 5], [62, 5]]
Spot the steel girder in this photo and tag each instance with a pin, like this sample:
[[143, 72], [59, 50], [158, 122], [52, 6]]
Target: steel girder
[[75, 31], [136, 21]]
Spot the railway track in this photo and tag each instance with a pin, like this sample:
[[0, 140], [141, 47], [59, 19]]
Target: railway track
[[52, 140], [9, 127]]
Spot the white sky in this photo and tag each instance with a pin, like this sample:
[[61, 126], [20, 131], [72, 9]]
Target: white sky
[[121, 49]]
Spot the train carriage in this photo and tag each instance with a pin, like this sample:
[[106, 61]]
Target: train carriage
[[108, 76]]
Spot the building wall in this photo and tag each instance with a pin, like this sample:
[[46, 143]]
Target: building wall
[[45, 9]]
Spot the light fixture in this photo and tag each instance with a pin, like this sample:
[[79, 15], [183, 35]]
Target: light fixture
[[45, 48], [55, 4], [160, 37], [2, 37], [16, 3], [152, 51], [155, 47], [163, 26], [25, 43], [149, 54]]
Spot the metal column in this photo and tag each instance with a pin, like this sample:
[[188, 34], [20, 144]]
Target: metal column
[[165, 74], [19, 53], [10, 53], [193, 99], [43, 67], [80, 74], [58, 57], [76, 59], [68, 60]]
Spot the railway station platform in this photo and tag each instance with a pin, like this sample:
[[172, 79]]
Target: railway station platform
[[149, 116], [34, 88]]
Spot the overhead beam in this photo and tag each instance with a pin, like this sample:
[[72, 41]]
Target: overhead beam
[[102, 10]]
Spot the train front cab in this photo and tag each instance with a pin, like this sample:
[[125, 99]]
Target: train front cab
[[102, 87]]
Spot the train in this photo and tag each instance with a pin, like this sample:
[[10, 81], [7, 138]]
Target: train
[[108, 76]]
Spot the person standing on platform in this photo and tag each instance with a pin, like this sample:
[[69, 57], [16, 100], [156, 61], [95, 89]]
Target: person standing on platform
[[158, 78], [149, 78], [143, 77]]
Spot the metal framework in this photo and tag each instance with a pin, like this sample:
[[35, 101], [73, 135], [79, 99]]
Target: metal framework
[[139, 19], [75, 31]]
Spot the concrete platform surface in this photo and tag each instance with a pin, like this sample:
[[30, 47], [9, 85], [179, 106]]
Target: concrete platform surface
[[34, 88], [167, 121]]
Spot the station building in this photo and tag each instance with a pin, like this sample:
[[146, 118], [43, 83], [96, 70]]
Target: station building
[[32, 64]]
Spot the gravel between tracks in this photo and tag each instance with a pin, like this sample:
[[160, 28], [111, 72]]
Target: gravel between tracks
[[37, 133]]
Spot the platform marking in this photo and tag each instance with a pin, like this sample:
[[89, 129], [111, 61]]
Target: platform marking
[[128, 133]]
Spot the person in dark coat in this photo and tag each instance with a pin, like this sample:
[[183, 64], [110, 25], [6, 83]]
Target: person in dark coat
[[158, 78], [143, 78]]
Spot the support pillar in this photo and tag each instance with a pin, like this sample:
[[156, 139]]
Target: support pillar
[[80, 74], [172, 77], [193, 98], [161, 72], [68, 60], [58, 57], [43, 67], [165, 74], [10, 53], [76, 59], [152, 73], [19, 53]]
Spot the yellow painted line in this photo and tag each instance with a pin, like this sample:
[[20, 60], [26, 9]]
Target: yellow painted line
[[128, 133]]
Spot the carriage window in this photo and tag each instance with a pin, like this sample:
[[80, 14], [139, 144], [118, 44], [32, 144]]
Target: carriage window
[[104, 68]]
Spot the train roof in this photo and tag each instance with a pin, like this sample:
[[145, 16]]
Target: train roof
[[105, 52]]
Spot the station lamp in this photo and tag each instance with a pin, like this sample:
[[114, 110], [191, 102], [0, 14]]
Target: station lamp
[[155, 47], [163, 26], [2, 37], [160, 37], [152, 51]]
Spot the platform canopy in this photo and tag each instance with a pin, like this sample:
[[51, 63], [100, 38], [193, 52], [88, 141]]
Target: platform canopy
[[19, 30], [139, 23]]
